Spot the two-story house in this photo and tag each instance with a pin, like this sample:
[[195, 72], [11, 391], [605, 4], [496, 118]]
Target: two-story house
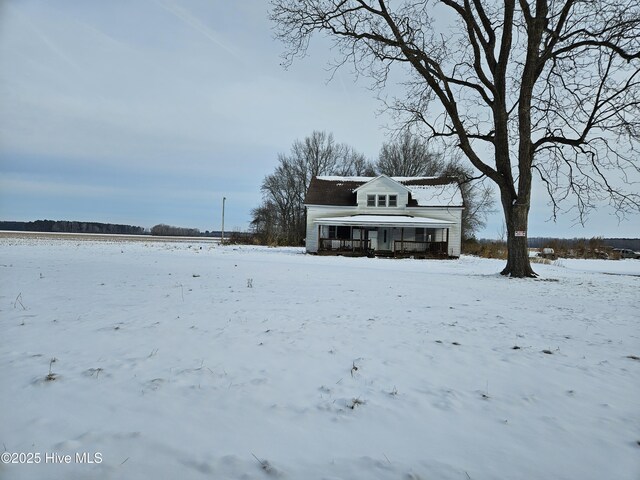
[[395, 216]]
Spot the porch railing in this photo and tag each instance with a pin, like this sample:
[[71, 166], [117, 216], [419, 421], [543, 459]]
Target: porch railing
[[410, 246], [345, 245]]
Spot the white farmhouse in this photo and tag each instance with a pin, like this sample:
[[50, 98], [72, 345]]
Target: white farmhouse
[[394, 216]]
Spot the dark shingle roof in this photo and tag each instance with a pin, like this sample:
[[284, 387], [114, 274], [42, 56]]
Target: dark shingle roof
[[340, 190], [331, 192]]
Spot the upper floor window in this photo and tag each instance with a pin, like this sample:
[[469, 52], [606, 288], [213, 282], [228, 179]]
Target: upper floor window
[[382, 201]]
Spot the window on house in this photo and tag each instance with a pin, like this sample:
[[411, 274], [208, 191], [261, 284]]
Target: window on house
[[343, 232], [420, 234], [379, 200], [339, 232]]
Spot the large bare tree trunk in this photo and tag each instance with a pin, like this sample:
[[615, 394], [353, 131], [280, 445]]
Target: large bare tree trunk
[[516, 217]]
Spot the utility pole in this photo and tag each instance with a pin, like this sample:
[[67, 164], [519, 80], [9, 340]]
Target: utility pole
[[222, 239]]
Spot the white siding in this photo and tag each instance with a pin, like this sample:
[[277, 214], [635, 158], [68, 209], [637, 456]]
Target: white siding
[[386, 186], [443, 213], [382, 186], [314, 212]]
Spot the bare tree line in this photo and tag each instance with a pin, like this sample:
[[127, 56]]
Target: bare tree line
[[66, 226], [169, 231]]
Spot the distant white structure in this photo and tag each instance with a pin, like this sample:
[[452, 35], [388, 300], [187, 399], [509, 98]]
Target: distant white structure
[[394, 216]]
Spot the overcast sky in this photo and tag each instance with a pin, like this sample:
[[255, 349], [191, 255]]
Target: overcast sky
[[150, 111]]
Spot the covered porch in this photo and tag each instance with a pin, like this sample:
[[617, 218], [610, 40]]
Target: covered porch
[[384, 235]]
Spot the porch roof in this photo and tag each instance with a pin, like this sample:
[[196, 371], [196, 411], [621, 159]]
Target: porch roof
[[385, 221]]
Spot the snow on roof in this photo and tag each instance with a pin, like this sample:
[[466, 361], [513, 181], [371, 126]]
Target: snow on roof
[[425, 191], [385, 221], [436, 195], [335, 178]]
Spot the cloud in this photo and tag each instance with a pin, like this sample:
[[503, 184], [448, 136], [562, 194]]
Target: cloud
[[12, 185], [159, 106], [193, 22]]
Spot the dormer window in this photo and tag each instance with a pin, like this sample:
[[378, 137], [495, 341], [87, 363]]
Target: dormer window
[[382, 201], [382, 193]]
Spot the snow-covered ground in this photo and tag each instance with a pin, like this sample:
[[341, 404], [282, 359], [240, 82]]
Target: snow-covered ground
[[194, 361], [611, 267]]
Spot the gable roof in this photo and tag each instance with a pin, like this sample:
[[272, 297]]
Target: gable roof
[[383, 179], [423, 191]]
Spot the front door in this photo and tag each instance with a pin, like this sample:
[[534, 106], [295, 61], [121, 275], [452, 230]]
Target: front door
[[384, 239]]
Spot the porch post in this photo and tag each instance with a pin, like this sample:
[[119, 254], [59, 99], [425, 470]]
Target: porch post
[[351, 239], [447, 244], [402, 239]]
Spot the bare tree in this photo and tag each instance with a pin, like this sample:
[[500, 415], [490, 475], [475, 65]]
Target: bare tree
[[410, 156], [282, 192], [281, 217], [545, 88], [477, 195], [353, 163], [264, 222]]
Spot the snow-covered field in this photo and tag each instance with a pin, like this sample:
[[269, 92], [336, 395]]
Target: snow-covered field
[[194, 361]]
